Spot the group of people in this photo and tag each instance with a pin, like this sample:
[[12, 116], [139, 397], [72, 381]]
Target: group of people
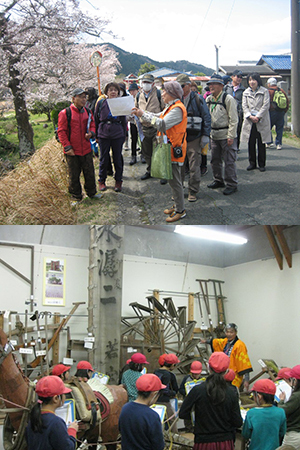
[[210, 408], [180, 116]]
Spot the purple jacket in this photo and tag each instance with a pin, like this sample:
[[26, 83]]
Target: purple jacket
[[109, 127]]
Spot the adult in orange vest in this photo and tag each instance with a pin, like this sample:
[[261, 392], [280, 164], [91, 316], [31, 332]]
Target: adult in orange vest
[[172, 121]]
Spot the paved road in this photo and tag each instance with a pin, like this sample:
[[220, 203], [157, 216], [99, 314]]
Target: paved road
[[271, 197]]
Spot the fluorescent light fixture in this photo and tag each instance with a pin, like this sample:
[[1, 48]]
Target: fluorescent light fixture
[[206, 233]]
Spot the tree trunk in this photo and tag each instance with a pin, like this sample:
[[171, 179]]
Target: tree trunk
[[25, 131]]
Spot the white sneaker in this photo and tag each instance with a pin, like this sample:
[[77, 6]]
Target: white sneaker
[[279, 147], [270, 145]]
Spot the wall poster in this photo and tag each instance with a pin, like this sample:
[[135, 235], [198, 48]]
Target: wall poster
[[54, 282]]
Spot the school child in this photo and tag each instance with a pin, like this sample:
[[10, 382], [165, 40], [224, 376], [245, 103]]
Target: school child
[[168, 378], [131, 375], [265, 425], [84, 371], [61, 371], [195, 376], [45, 430]]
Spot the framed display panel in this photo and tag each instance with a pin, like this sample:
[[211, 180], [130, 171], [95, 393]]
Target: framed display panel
[[54, 282]]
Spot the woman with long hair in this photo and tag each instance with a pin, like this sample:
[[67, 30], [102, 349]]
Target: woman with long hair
[[217, 410], [45, 430], [292, 410]]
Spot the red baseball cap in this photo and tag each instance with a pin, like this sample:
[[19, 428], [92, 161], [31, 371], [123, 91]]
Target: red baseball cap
[[196, 367], [149, 382], [128, 361], [139, 358], [84, 365], [50, 386], [171, 358], [264, 386], [230, 375], [59, 369], [294, 372], [283, 373], [219, 362], [161, 359]]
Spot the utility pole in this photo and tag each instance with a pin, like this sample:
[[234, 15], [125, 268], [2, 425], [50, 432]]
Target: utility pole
[[217, 58], [295, 73]]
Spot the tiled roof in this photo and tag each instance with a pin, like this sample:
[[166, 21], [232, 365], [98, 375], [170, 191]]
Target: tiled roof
[[276, 62], [164, 72], [261, 70]]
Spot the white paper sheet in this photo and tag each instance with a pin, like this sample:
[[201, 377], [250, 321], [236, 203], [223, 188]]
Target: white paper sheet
[[121, 106]]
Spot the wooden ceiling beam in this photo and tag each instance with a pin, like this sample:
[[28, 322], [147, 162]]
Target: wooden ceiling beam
[[283, 243], [274, 245]]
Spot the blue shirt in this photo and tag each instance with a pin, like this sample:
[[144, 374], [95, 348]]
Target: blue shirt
[[265, 427], [140, 428], [54, 436]]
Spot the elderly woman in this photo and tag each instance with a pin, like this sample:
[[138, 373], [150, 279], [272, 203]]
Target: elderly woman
[[237, 351], [256, 126], [111, 133], [172, 121]]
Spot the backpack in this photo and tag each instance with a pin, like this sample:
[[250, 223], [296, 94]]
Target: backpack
[[222, 102], [158, 93], [280, 100]]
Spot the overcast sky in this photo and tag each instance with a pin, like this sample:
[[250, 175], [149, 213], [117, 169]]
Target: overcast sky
[[166, 30]]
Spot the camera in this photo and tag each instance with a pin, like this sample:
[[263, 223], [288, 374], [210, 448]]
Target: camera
[[177, 152]]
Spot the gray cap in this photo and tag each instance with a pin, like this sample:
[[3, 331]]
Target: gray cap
[[148, 77], [215, 78], [78, 91], [183, 79]]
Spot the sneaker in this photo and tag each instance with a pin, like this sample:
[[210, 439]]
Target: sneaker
[[169, 210], [270, 145], [279, 147], [118, 186], [251, 167], [229, 190], [75, 203], [146, 176], [262, 169], [176, 216], [216, 184], [163, 181], [132, 161], [102, 186], [97, 196], [203, 171], [192, 197]]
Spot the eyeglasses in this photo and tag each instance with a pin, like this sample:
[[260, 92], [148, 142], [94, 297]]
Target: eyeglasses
[[182, 85]]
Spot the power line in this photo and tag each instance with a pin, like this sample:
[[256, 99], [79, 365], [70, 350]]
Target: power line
[[200, 29], [230, 12]]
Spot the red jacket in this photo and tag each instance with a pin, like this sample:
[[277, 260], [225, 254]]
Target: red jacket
[[78, 125]]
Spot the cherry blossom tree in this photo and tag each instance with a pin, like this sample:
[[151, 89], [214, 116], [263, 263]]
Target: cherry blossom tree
[[41, 54]]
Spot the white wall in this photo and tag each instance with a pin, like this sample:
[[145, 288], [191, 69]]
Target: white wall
[[15, 291], [264, 303], [143, 275]]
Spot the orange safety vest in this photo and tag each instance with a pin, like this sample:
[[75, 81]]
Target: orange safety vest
[[177, 134]]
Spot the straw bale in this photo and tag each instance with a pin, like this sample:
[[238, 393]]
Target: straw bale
[[36, 192]]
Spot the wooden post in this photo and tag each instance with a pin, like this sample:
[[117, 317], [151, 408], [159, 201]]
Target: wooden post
[[191, 311], [55, 347]]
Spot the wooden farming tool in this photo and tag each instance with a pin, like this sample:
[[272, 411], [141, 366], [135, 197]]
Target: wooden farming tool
[[62, 324]]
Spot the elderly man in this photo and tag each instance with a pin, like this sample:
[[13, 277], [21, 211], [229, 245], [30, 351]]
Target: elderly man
[[75, 128], [236, 89], [278, 108], [148, 99], [224, 121], [198, 131]]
